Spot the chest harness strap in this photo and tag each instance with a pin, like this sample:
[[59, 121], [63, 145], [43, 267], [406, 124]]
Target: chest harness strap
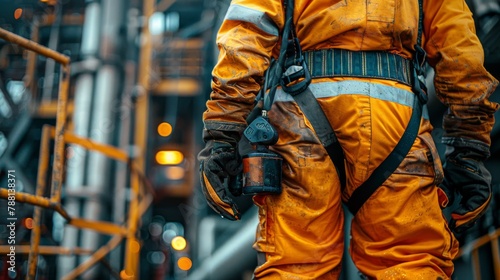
[[296, 78]]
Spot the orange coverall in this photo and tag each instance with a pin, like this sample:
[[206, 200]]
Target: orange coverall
[[400, 232]]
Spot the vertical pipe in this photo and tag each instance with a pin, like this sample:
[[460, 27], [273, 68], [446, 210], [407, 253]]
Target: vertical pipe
[[76, 169], [141, 129], [125, 129], [142, 103], [102, 122], [40, 190], [228, 259], [132, 246], [90, 36]]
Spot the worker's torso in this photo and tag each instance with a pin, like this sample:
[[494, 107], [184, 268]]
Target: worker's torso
[[357, 24]]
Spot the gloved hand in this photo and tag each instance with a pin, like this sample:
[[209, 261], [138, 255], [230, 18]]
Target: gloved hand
[[220, 167], [465, 174]]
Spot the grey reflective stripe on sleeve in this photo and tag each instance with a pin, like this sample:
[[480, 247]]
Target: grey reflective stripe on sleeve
[[374, 90], [258, 18]]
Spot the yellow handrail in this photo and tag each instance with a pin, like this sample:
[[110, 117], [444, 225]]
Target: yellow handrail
[[140, 199]]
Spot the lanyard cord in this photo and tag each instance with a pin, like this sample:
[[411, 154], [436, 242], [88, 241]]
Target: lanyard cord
[[278, 69]]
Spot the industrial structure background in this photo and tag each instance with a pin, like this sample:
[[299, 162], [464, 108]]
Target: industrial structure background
[[100, 124]]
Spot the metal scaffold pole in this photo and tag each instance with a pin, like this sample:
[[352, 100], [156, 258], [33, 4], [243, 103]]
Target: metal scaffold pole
[[132, 245]]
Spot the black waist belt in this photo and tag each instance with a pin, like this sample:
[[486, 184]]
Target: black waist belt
[[363, 64]]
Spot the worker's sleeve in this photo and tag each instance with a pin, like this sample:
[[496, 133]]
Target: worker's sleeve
[[246, 39], [461, 81]]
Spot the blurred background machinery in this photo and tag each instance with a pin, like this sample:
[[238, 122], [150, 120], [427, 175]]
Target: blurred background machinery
[[100, 122]]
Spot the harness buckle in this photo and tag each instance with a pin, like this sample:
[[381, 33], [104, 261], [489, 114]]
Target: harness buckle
[[296, 76]]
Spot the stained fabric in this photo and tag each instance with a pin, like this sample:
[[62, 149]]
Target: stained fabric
[[400, 232], [301, 231]]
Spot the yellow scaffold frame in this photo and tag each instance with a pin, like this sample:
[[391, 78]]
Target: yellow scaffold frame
[[141, 194], [472, 249]]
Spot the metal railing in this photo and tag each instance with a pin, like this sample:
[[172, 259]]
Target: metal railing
[[140, 192], [471, 249]]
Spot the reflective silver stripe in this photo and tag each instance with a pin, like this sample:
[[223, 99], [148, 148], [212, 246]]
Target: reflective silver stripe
[[258, 18], [331, 89], [382, 92]]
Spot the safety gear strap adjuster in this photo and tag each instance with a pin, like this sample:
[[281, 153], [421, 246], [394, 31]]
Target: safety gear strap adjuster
[[296, 77]]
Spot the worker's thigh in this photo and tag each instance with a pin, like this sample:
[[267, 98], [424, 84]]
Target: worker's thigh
[[300, 234], [400, 231]]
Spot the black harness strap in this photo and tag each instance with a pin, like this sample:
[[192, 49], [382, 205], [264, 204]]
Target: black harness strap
[[389, 165], [313, 112], [297, 83]]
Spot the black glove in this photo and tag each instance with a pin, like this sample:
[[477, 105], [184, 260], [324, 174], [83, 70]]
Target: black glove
[[220, 171], [465, 174]]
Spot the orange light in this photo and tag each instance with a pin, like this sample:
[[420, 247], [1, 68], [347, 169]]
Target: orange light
[[175, 172], [179, 243], [169, 157], [28, 223], [49, 2], [164, 129], [18, 13], [184, 263]]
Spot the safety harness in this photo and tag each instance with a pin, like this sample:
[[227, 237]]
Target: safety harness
[[294, 70]]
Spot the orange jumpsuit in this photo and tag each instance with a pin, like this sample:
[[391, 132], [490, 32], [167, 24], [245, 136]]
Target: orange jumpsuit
[[400, 232]]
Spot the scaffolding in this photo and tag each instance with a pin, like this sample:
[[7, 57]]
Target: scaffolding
[[141, 194], [471, 251]]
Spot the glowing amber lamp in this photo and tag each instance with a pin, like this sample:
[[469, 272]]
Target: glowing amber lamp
[[164, 129], [169, 157], [184, 263], [18, 13]]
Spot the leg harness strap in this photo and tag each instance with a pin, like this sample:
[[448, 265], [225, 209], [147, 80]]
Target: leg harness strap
[[381, 65]]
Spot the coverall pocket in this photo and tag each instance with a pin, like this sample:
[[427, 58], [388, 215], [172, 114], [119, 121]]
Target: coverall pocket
[[381, 11]]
